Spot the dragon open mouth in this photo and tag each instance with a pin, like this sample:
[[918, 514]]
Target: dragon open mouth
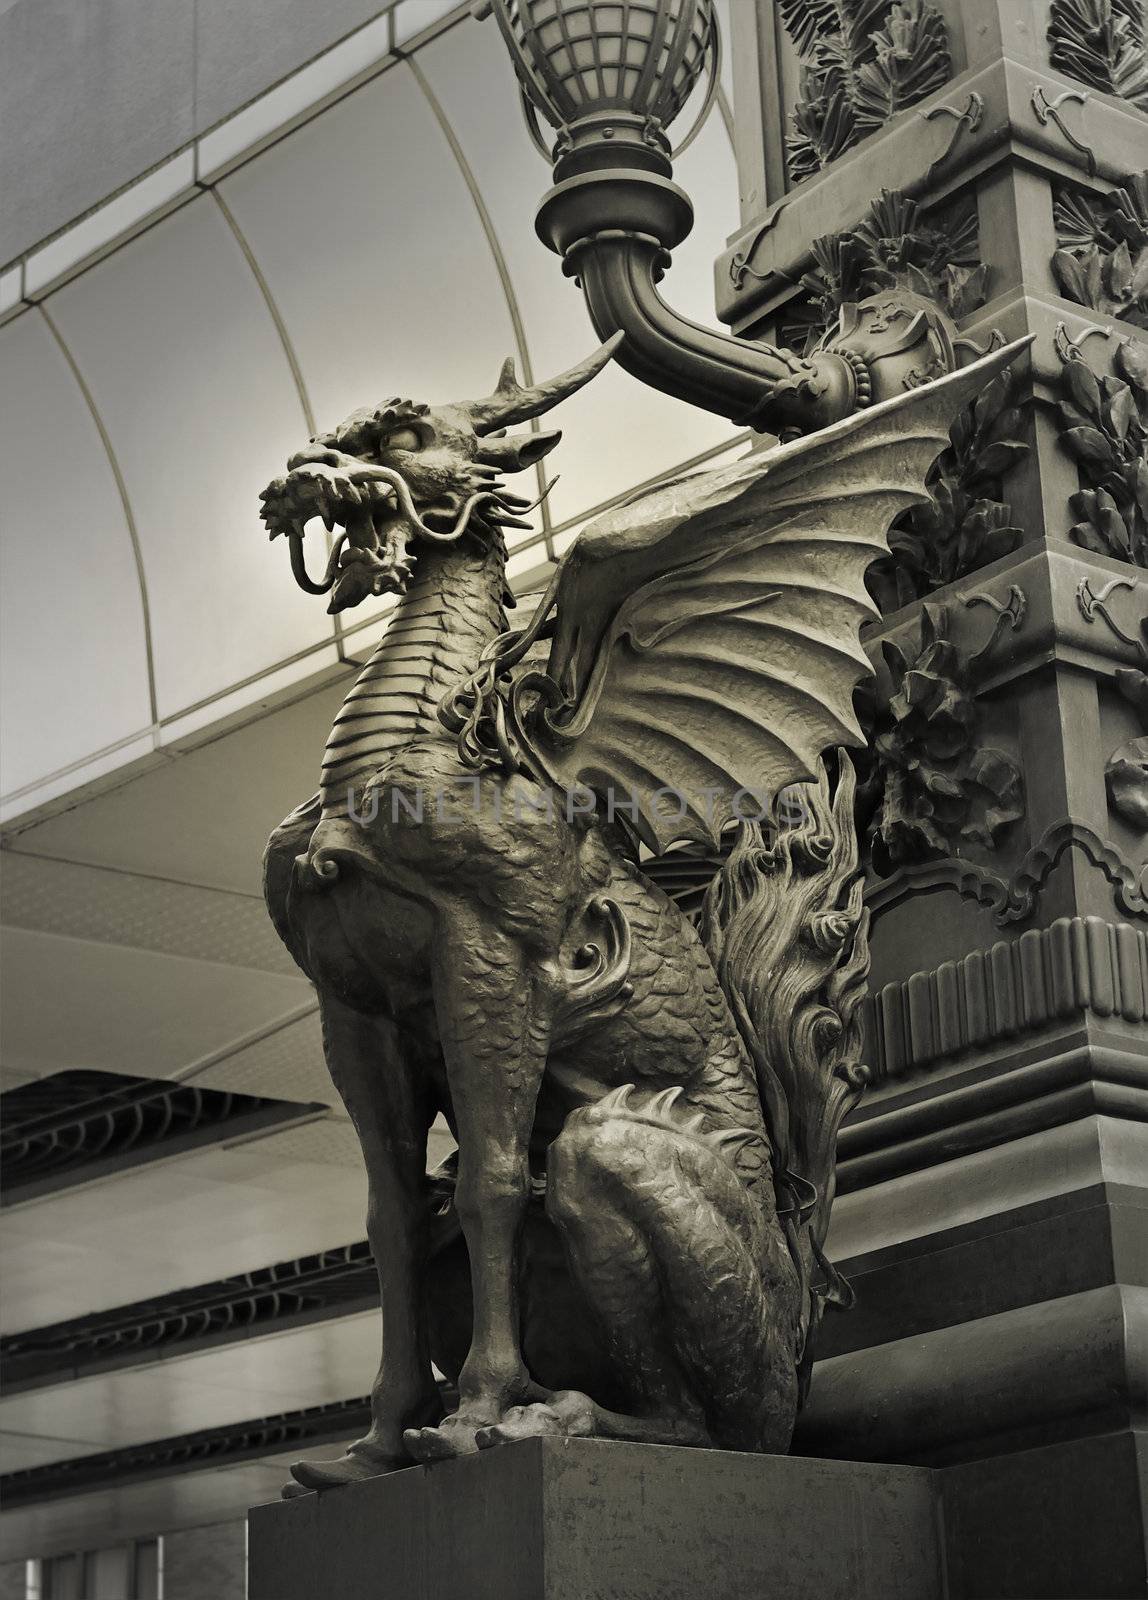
[[374, 509], [400, 475]]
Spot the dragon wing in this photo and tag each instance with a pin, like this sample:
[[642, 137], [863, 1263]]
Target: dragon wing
[[708, 636]]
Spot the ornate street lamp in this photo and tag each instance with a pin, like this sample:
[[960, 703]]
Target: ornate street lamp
[[629, 68], [609, 77]]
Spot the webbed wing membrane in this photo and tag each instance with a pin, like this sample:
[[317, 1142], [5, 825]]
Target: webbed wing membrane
[[708, 635]]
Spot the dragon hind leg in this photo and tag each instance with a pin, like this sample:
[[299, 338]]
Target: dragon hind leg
[[687, 1273]]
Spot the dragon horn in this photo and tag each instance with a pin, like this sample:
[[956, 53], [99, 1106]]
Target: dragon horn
[[511, 403]]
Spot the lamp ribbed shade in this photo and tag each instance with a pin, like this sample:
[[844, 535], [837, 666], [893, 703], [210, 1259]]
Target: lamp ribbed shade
[[581, 56]]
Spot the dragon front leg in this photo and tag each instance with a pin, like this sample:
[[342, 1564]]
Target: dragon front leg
[[387, 1098], [494, 1007]]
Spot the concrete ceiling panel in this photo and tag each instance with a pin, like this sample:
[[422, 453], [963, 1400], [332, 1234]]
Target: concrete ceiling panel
[[19, 1451], [186, 368], [75, 1003], [241, 50], [177, 1223], [146, 913], [370, 243], [94, 94], [73, 655], [110, 1515], [204, 817], [312, 1366]]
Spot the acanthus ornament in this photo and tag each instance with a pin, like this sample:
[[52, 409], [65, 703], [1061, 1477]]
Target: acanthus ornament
[[1103, 257], [862, 61], [1126, 772], [1105, 430], [965, 524], [898, 249], [1101, 43], [897, 246], [929, 781], [1126, 780]]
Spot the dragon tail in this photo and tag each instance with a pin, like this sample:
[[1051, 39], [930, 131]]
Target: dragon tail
[[786, 929]]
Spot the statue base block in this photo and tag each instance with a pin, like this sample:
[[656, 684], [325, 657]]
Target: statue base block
[[584, 1519]]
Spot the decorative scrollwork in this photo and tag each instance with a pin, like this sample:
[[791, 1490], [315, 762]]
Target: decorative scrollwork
[[970, 881], [1047, 111], [970, 116], [1069, 349], [1129, 885], [740, 266], [1093, 605], [1015, 898], [599, 985], [1009, 616]]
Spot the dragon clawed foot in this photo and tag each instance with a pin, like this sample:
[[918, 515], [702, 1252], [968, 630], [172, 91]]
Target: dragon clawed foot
[[356, 1465], [567, 1414], [562, 1415], [454, 1436]]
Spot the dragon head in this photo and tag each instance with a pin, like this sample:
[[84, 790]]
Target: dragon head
[[404, 475]]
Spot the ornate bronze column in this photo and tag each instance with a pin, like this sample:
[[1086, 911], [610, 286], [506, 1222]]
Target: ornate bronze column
[[945, 175]]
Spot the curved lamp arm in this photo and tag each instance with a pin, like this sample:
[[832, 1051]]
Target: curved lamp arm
[[614, 215], [755, 385]]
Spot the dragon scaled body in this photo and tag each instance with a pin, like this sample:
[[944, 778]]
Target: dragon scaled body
[[630, 1242]]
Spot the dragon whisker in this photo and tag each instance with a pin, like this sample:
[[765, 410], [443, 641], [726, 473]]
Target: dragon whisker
[[521, 506], [409, 510], [299, 563]]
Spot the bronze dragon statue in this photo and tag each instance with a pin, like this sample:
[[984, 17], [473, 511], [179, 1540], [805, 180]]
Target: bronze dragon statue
[[646, 1110]]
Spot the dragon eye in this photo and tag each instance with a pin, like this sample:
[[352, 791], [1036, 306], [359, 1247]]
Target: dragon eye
[[402, 439]]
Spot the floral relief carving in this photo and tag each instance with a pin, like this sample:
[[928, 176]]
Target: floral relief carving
[[1105, 430], [862, 61], [1101, 43], [896, 246], [1126, 772], [931, 783], [965, 524], [1103, 259]]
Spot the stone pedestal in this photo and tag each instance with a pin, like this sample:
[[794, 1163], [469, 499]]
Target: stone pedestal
[[580, 1519]]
